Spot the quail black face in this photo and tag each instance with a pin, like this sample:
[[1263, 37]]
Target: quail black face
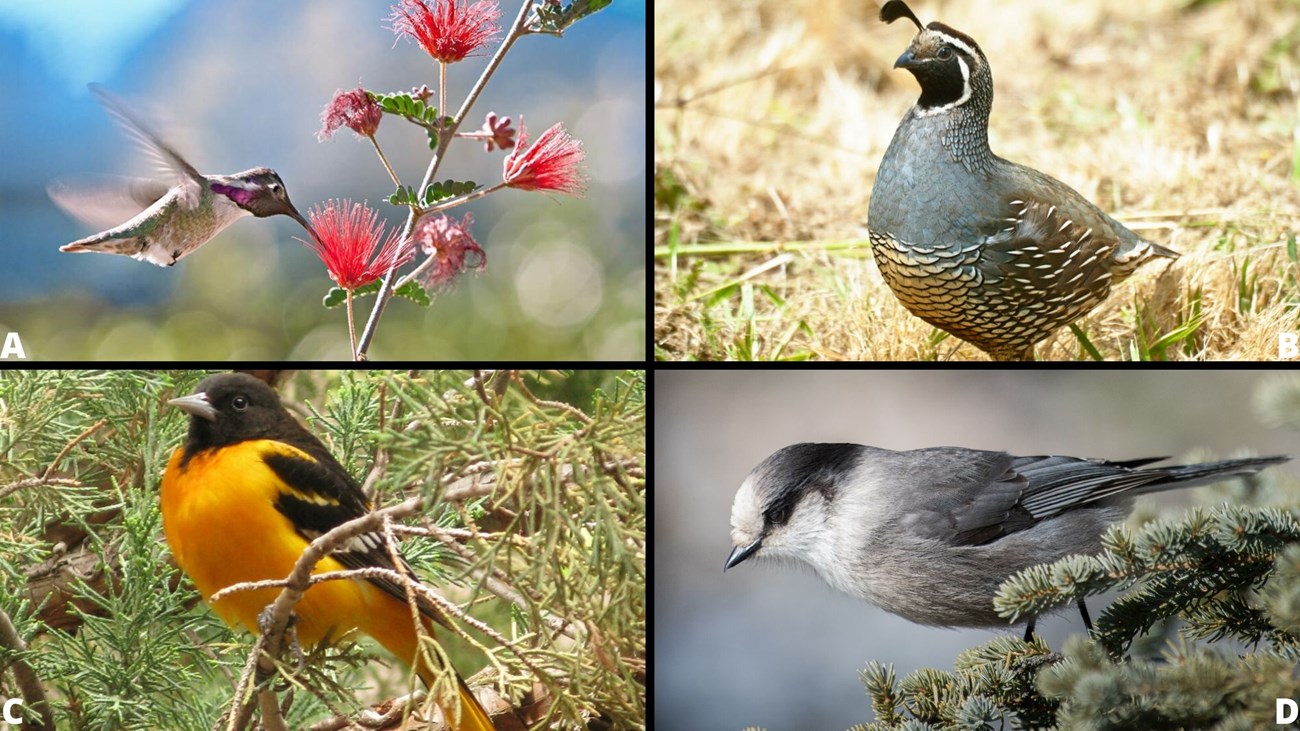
[[945, 62]]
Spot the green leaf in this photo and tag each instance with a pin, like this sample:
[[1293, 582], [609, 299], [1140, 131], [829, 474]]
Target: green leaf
[[583, 8], [554, 20], [414, 292], [335, 297], [444, 189], [338, 296], [420, 109], [403, 196], [368, 289], [433, 140], [389, 104]]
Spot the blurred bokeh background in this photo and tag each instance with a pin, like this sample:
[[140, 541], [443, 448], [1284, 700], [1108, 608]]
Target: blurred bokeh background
[[771, 645], [241, 84]]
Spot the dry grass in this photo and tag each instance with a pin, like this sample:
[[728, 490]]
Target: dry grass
[[1180, 118]]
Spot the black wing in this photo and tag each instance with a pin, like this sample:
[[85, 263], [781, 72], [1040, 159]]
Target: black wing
[[322, 496]]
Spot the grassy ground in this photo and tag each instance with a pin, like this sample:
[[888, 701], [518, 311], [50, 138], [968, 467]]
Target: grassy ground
[[1181, 118]]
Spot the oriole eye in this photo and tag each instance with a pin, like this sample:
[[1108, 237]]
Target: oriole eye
[[239, 403]]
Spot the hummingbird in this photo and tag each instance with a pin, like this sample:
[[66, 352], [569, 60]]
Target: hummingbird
[[165, 221]]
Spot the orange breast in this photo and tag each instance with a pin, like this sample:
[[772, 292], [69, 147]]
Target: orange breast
[[221, 523]]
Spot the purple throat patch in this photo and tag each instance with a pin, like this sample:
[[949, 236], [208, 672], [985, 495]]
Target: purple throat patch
[[241, 196]]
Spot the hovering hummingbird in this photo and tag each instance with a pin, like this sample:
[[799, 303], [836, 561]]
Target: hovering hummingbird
[[167, 220]]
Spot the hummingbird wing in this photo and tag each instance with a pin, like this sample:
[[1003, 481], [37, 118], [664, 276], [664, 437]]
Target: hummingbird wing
[[104, 201], [189, 180]]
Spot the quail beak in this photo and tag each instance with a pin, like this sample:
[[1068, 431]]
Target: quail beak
[[196, 405], [740, 553], [905, 61]]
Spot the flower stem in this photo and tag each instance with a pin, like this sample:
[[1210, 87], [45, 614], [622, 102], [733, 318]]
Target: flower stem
[[352, 331], [387, 167], [408, 278], [442, 88], [453, 202]]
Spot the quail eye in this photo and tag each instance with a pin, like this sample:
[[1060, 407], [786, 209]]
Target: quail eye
[[945, 53], [239, 403]]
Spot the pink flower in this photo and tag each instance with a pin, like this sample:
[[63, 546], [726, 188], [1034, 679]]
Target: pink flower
[[451, 246], [353, 109], [496, 131], [346, 237], [451, 30], [551, 163]]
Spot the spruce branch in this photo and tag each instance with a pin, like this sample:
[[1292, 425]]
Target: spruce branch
[[1196, 568], [1191, 687]]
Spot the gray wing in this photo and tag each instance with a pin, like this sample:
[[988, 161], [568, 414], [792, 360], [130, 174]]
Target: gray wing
[[973, 497], [959, 496], [104, 201], [167, 158], [976, 497], [1058, 484]]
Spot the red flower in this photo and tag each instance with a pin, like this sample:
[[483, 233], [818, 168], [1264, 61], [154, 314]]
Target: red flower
[[451, 30], [346, 237], [353, 109], [551, 163], [452, 247]]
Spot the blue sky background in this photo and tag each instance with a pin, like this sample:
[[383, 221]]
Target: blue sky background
[[235, 85]]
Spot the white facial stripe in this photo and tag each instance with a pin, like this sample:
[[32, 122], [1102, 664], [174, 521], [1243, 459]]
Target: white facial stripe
[[957, 42], [965, 83], [965, 92]]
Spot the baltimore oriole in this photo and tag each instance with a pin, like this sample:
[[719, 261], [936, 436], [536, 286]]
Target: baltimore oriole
[[246, 493]]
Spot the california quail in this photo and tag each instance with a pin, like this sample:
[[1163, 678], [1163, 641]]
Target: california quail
[[995, 253]]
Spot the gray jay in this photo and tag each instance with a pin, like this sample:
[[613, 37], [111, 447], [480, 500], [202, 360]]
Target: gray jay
[[930, 534]]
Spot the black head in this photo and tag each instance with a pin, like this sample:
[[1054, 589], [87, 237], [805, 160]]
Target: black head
[[949, 64], [260, 192], [229, 408], [773, 493]]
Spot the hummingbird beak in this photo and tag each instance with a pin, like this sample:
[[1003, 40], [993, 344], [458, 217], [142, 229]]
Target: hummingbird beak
[[295, 215]]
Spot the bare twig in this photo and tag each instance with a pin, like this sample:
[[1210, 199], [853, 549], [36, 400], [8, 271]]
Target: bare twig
[[13, 487], [68, 448], [28, 683]]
